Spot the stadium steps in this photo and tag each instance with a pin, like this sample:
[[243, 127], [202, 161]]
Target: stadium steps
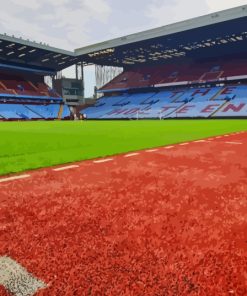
[[33, 86], [60, 112], [44, 93], [211, 76], [177, 97], [30, 109], [3, 86], [112, 81], [217, 94], [222, 106]]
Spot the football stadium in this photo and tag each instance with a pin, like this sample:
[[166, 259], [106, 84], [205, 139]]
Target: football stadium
[[140, 190]]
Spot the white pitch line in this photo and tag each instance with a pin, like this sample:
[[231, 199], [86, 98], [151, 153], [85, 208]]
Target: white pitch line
[[169, 147], [17, 280], [103, 160], [201, 141], [131, 154], [152, 150], [183, 144], [69, 167], [14, 178], [234, 143]]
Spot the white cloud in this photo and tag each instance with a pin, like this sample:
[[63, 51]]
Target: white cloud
[[216, 5], [163, 13], [21, 28], [61, 23], [75, 23], [32, 4]]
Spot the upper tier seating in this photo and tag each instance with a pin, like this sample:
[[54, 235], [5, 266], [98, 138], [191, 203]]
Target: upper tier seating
[[19, 85], [188, 102], [183, 73]]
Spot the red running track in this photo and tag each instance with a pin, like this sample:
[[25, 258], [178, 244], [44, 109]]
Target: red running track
[[165, 222]]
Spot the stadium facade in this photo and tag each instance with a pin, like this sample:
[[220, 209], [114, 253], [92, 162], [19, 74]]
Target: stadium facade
[[194, 68]]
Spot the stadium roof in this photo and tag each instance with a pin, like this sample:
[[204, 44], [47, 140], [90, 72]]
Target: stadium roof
[[209, 35], [215, 34], [20, 53]]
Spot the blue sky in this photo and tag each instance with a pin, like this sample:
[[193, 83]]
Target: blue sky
[[71, 24]]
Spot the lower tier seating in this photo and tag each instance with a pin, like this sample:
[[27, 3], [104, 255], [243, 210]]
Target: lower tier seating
[[234, 108], [188, 102], [20, 111]]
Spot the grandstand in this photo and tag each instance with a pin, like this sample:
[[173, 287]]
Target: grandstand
[[207, 102], [191, 69], [24, 95]]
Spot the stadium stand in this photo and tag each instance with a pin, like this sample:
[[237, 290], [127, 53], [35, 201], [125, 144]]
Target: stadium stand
[[21, 85], [45, 111], [177, 74], [26, 112], [16, 111], [198, 95], [26, 97], [236, 108], [180, 103], [195, 68]]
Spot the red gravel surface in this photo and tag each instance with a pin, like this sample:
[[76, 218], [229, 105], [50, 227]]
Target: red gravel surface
[[167, 222]]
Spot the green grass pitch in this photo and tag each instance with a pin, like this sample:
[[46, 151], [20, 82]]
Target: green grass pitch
[[30, 145]]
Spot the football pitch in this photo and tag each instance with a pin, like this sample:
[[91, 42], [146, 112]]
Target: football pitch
[[37, 144]]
